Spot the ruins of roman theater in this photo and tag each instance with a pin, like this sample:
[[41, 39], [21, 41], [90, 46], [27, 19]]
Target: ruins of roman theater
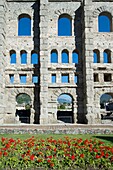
[[50, 49]]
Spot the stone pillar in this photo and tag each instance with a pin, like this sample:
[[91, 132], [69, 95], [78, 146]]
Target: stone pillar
[[18, 61], [101, 57], [88, 60], [2, 58], [28, 57], [70, 57], [59, 57], [43, 62], [75, 111], [71, 78]]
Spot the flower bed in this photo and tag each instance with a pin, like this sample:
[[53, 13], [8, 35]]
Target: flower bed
[[55, 154]]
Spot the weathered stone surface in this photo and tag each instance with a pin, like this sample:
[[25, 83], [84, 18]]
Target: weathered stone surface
[[44, 38]]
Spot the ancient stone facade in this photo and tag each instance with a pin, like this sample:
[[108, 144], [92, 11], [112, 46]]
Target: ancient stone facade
[[85, 38]]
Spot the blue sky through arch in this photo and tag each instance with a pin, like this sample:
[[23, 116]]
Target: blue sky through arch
[[64, 26], [103, 23], [24, 26]]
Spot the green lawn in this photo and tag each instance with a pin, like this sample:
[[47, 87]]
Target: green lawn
[[108, 139]]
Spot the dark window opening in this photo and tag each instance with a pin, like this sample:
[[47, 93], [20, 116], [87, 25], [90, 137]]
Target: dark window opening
[[96, 79], [107, 77]]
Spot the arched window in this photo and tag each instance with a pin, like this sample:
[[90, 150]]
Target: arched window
[[104, 22], [34, 57], [75, 57], [12, 57], [107, 56], [64, 25], [24, 25], [96, 56], [65, 56], [23, 57], [54, 56]]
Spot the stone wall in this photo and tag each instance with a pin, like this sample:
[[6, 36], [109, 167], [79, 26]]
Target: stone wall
[[3, 9], [44, 38]]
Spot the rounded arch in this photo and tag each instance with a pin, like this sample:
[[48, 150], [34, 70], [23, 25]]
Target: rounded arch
[[101, 9], [34, 57], [107, 56], [104, 99], [65, 11], [65, 108], [23, 108], [75, 56], [24, 25], [104, 22], [12, 56], [64, 21], [23, 55], [65, 56], [68, 91], [54, 56], [23, 98], [96, 56]]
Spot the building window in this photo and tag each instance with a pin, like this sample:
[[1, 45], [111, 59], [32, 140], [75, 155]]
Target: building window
[[75, 57], [54, 56], [23, 79], [12, 57], [105, 22], [64, 25], [24, 25], [107, 56], [23, 57], [11, 77], [75, 79], [65, 78], [65, 56], [96, 56], [34, 57], [96, 79], [53, 78], [35, 79], [107, 77]]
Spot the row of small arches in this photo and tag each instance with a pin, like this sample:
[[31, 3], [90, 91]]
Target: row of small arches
[[35, 57], [23, 57], [64, 21], [106, 56]]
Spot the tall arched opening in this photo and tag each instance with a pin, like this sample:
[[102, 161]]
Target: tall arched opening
[[65, 108], [104, 99], [23, 107]]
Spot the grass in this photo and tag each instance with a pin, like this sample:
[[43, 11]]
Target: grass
[[107, 139]]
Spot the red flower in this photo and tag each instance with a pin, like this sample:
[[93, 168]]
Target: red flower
[[82, 155], [3, 139], [106, 155], [102, 153], [32, 157], [39, 160], [52, 165], [55, 149], [79, 140], [95, 150], [8, 145], [72, 157], [49, 161], [5, 154], [49, 156], [22, 155], [98, 156], [0, 153]]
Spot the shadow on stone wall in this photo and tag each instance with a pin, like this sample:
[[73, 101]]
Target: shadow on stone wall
[[79, 67], [36, 39]]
